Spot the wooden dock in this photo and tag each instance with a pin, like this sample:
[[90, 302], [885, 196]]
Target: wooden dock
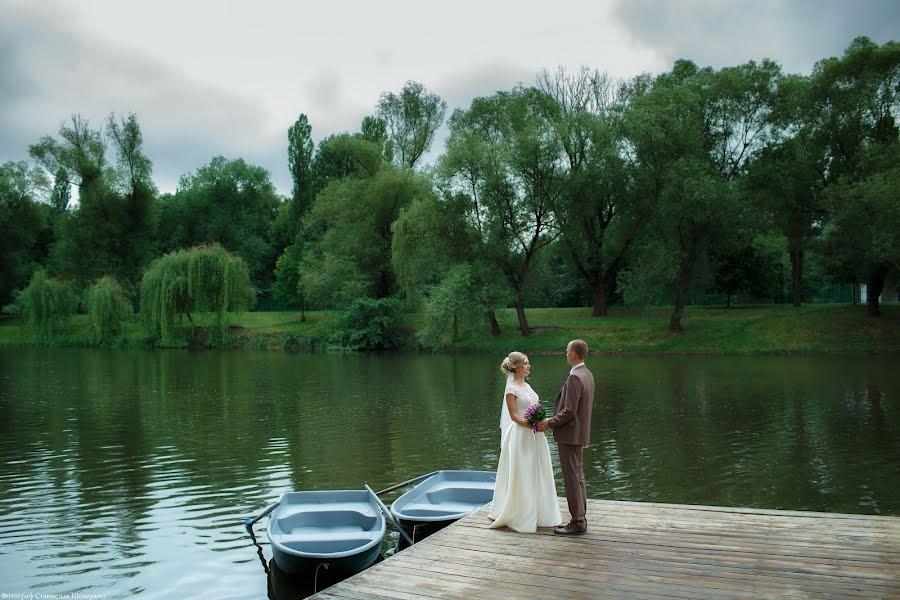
[[644, 550]]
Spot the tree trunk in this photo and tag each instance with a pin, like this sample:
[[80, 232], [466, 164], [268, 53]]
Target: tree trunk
[[492, 319], [681, 292], [727, 300], [874, 287], [520, 313], [797, 275], [601, 297]]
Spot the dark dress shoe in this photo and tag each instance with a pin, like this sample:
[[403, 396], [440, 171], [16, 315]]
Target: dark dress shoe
[[571, 529]]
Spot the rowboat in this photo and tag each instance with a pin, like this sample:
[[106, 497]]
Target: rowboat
[[340, 529], [443, 498]]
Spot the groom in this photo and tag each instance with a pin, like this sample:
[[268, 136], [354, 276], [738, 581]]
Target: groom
[[571, 425]]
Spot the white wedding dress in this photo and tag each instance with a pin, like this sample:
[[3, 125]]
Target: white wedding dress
[[525, 492]]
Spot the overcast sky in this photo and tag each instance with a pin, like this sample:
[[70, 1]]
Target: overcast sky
[[219, 77]]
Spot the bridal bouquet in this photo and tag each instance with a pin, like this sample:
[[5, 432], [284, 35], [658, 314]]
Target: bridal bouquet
[[534, 414]]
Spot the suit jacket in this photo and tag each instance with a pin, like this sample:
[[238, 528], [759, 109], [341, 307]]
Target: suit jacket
[[571, 421]]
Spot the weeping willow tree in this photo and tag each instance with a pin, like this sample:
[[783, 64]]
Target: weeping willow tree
[[108, 308], [205, 279], [48, 304]]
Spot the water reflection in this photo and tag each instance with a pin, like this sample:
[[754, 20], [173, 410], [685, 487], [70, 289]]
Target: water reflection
[[130, 472]]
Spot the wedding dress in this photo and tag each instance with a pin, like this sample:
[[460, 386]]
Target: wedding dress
[[525, 491]]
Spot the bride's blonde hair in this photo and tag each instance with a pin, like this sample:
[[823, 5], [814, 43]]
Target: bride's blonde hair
[[512, 362]]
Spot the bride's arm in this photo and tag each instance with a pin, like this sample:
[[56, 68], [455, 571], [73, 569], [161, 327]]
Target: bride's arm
[[511, 407]]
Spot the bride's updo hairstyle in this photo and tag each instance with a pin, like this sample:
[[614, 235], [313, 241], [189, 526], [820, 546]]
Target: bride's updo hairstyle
[[512, 362]]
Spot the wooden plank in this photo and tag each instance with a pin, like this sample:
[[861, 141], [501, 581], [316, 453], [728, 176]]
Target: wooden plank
[[649, 550], [588, 543], [638, 570]]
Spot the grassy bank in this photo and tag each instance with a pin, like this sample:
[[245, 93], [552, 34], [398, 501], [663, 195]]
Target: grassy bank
[[820, 328]]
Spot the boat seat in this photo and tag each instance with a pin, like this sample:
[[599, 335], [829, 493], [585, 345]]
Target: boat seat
[[323, 535], [317, 523], [424, 509], [473, 485]]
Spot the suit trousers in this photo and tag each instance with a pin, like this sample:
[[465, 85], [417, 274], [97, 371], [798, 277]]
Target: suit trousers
[[573, 478]]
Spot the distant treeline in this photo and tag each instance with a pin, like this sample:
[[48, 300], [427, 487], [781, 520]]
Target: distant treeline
[[578, 190]]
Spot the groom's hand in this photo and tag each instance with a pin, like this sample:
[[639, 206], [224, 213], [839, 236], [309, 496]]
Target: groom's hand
[[543, 425]]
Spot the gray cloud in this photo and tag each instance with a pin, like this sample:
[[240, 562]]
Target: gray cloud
[[794, 33], [49, 72], [324, 89]]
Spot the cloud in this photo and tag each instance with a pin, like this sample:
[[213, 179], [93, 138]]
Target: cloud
[[794, 33], [49, 72]]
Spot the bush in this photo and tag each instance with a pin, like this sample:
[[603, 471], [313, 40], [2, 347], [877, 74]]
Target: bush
[[370, 324], [108, 307], [205, 278], [48, 304]]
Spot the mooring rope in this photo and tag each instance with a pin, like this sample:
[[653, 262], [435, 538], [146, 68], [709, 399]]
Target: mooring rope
[[416, 526], [316, 579]]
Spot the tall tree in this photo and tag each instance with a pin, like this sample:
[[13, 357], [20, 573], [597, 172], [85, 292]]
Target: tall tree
[[300, 153], [783, 181], [412, 118], [348, 236], [23, 219], [80, 152], [228, 202], [135, 185], [503, 154], [436, 254], [854, 103], [691, 133], [62, 192], [111, 230], [598, 215]]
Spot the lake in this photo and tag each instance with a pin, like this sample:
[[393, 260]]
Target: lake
[[130, 472]]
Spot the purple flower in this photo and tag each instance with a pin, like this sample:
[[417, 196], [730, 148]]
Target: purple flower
[[534, 414]]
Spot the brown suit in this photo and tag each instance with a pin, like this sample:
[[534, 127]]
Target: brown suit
[[571, 425]]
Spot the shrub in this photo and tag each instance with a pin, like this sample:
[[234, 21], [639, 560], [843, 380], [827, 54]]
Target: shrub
[[48, 304], [108, 307], [370, 324]]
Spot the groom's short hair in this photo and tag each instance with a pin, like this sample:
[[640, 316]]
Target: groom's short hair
[[579, 347]]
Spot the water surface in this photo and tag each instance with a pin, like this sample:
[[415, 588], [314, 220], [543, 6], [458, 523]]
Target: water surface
[[130, 472]]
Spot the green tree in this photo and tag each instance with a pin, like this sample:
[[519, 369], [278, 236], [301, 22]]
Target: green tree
[[598, 215], [693, 132], [286, 288], [48, 304], [80, 152], [503, 154], [111, 231], [412, 117], [854, 103], [108, 307], [300, 154], [201, 279], [24, 223], [784, 183], [227, 202], [864, 226], [62, 192], [348, 236], [436, 256]]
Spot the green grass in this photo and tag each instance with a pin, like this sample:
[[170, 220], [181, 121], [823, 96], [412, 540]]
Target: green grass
[[820, 328], [817, 328]]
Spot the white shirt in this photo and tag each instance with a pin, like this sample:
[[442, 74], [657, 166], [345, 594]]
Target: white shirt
[[581, 364]]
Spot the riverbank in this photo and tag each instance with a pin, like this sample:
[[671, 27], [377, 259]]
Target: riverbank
[[818, 328]]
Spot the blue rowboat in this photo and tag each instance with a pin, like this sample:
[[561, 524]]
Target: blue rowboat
[[443, 498], [340, 529]]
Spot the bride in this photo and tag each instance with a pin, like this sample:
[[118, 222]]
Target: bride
[[525, 492]]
